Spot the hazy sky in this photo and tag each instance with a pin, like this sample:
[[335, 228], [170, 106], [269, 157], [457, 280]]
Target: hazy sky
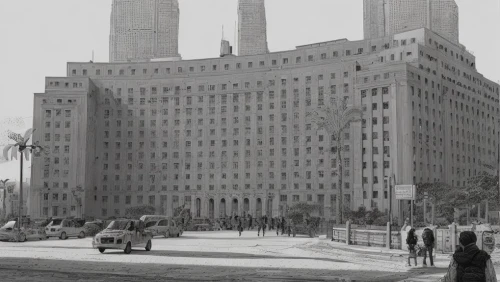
[[38, 37]]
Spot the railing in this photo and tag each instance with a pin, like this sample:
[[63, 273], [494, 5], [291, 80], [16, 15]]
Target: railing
[[445, 239], [376, 238]]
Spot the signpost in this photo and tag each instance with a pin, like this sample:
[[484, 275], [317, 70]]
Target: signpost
[[406, 192]]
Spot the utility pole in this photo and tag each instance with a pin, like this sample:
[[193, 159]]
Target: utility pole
[[21, 193], [425, 207]]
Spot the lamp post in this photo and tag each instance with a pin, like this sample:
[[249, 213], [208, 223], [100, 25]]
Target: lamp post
[[24, 150]]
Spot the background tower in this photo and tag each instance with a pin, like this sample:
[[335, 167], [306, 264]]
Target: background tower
[[252, 27], [142, 30], [387, 17]]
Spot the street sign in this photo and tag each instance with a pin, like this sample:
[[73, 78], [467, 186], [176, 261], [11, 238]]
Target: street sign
[[405, 192]]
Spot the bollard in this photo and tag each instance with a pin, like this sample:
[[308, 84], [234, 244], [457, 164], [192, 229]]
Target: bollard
[[348, 233], [389, 236]]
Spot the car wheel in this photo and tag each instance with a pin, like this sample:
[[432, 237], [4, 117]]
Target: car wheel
[[22, 237], [148, 246], [63, 236], [101, 250], [128, 248], [81, 235]]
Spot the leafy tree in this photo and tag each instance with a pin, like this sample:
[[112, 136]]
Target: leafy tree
[[138, 211], [482, 187], [300, 211], [336, 117]]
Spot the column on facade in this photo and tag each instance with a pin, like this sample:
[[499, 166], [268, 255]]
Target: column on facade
[[264, 204], [216, 206], [276, 206]]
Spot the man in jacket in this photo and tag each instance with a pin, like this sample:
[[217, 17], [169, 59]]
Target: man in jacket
[[469, 263], [428, 238]]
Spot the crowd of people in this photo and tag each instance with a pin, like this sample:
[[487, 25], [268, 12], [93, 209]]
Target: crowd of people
[[263, 223]]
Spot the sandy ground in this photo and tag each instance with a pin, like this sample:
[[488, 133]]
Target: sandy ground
[[211, 256]]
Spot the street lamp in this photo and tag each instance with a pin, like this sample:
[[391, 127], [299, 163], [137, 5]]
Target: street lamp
[[4, 185], [24, 149]]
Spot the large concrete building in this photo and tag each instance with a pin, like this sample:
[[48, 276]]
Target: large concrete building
[[231, 134], [142, 30], [252, 28], [388, 17]]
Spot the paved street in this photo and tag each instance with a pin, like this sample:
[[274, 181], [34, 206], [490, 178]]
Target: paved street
[[208, 256]]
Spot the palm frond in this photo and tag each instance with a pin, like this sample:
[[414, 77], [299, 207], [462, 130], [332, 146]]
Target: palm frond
[[27, 135]]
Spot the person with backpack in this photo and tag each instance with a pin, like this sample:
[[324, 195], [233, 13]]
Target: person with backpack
[[411, 241], [428, 238], [469, 263]]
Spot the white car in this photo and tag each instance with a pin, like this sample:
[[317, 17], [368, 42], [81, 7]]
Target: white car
[[166, 227], [10, 232], [65, 228], [123, 235]]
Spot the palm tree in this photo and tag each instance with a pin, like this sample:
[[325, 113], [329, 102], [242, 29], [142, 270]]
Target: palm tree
[[336, 118], [23, 148], [4, 185]]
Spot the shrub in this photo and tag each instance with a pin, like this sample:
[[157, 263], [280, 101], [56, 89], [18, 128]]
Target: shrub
[[92, 229], [138, 211]]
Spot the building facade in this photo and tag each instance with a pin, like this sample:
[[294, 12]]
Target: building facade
[[252, 28], [232, 134], [388, 17], [142, 30]]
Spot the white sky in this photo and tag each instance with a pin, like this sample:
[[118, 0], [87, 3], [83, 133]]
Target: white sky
[[38, 37]]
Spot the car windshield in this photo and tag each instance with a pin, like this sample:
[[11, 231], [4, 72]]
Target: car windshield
[[56, 222], [151, 223], [118, 225], [9, 224]]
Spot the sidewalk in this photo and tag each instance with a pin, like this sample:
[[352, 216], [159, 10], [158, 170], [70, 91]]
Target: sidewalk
[[418, 274], [377, 250]]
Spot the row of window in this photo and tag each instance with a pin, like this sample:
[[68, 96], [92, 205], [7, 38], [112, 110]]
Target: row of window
[[55, 211], [57, 113], [215, 67]]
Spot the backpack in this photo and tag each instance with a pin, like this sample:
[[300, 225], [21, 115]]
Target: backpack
[[411, 240], [428, 237], [474, 271]]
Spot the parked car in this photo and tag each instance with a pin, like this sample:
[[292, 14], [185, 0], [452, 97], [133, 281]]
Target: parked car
[[162, 225], [63, 228], [123, 235], [10, 232]]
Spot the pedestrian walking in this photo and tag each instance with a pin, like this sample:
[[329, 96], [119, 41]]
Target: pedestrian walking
[[259, 225], [250, 224], [278, 226], [283, 224], [411, 241], [428, 238], [240, 226], [264, 225], [469, 263]]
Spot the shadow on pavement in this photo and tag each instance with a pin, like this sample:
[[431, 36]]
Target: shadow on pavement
[[224, 255], [27, 269]]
